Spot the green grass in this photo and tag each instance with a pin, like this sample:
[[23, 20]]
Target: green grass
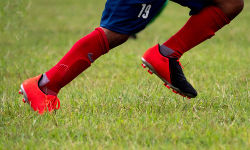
[[115, 104]]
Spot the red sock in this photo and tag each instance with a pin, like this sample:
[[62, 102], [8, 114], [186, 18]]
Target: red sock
[[199, 27], [79, 58]]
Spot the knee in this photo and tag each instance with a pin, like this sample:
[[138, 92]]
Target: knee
[[115, 39], [237, 5], [230, 7]]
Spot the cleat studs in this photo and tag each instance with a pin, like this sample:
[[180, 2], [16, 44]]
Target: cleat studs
[[175, 91], [143, 65], [165, 84], [150, 72], [182, 95], [20, 92], [24, 100]]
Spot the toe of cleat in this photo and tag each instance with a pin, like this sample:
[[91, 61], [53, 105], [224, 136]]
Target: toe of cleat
[[24, 100]]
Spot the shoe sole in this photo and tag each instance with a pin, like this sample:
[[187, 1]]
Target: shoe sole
[[151, 71]]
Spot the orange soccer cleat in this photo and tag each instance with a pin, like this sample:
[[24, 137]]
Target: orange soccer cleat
[[38, 100], [169, 70]]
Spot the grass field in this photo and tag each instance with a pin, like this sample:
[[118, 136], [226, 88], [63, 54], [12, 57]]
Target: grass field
[[115, 104]]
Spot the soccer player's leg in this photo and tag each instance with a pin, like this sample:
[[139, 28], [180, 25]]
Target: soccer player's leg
[[116, 26], [41, 91], [207, 17]]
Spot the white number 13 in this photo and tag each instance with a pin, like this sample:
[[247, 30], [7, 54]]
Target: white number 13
[[144, 11]]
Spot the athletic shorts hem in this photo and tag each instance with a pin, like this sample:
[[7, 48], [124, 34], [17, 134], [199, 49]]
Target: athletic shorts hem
[[115, 29]]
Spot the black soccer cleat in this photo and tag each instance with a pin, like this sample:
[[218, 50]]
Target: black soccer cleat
[[169, 70]]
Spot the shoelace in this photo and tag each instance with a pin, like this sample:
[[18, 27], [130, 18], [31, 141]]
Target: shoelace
[[180, 63], [54, 103]]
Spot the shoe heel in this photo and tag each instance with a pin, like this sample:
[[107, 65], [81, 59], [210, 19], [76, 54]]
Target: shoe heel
[[144, 66], [149, 71], [20, 92]]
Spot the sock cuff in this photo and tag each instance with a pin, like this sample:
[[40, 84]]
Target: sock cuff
[[103, 40]]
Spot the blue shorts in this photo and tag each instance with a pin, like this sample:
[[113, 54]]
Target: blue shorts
[[131, 16]]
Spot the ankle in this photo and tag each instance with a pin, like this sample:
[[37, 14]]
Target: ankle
[[168, 52], [48, 91], [46, 86]]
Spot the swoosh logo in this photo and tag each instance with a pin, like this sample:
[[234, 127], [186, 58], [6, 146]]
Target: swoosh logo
[[90, 57]]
